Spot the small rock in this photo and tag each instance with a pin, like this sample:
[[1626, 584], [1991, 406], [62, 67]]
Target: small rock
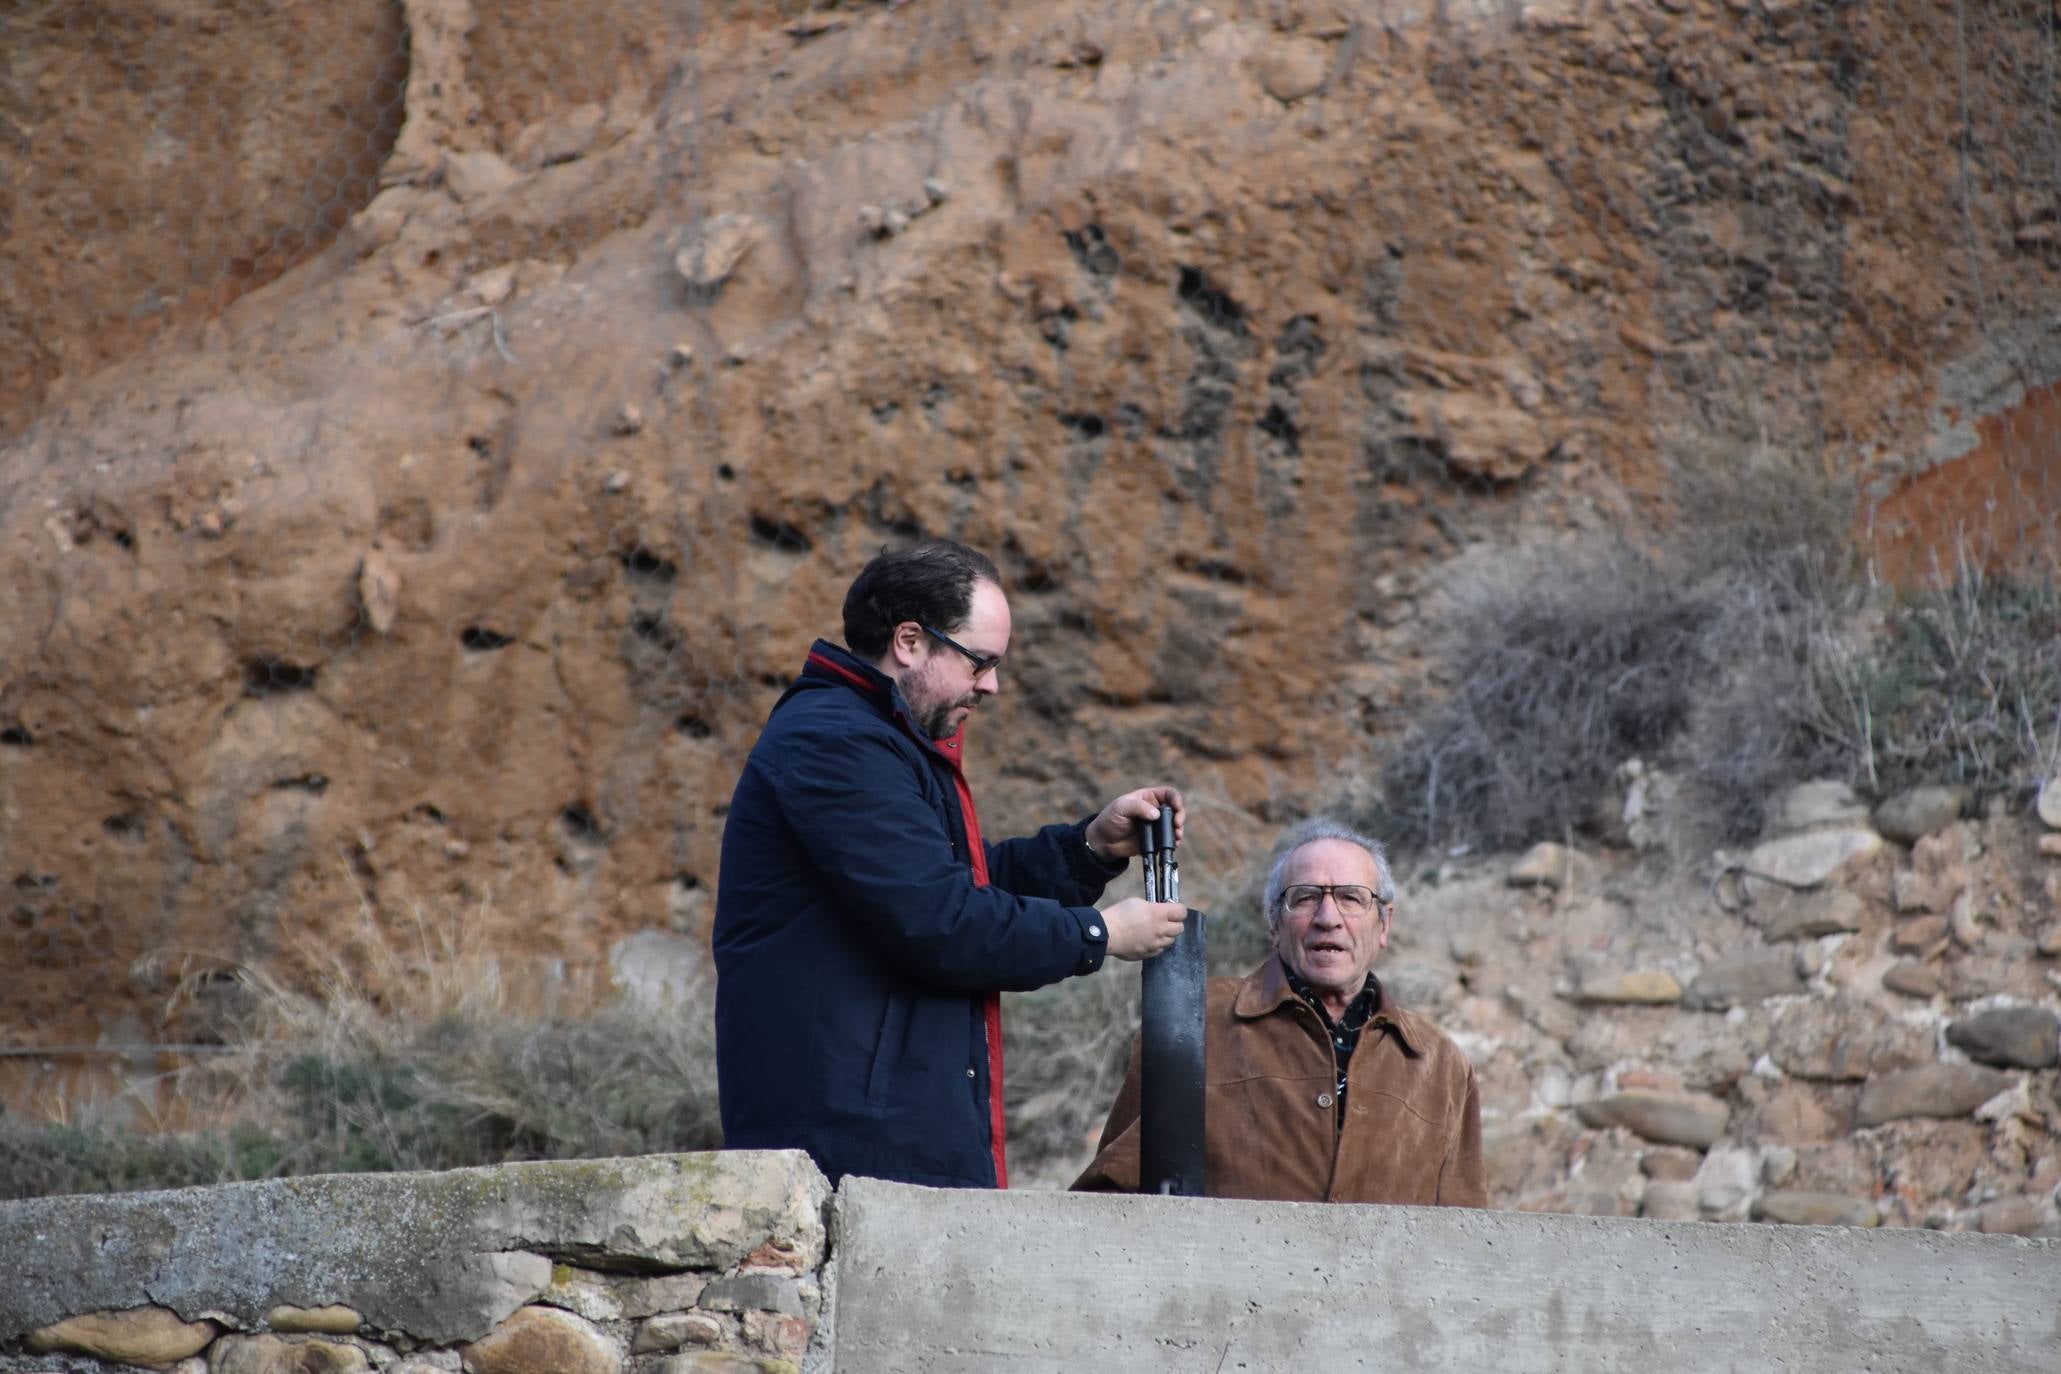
[[1651, 986], [336, 1320], [1726, 1183], [2013, 1216], [672, 1330], [1843, 1040], [1648, 795], [492, 286], [1809, 859], [1912, 979], [630, 419], [894, 222], [1809, 915], [1962, 925], [683, 354], [660, 1293], [153, 1336], [1546, 865], [2049, 942], [935, 191], [1751, 977], [813, 26], [1816, 806], [1294, 69], [1938, 872], [2048, 806], [1670, 1200], [1812, 959], [1465, 947], [721, 1362], [1815, 1209], [278, 1355], [543, 1340], [1670, 1118], [2015, 1037], [714, 248], [565, 138], [1932, 1090], [873, 220], [2014, 1101], [1911, 815], [469, 176], [1418, 985], [1923, 933], [379, 591], [1778, 1166], [787, 1337], [1670, 1164], [759, 1291], [616, 482], [2050, 846], [381, 220]]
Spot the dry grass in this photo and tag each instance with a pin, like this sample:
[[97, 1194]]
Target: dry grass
[[410, 1055]]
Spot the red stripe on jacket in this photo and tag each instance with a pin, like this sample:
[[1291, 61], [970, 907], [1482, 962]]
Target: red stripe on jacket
[[992, 1003]]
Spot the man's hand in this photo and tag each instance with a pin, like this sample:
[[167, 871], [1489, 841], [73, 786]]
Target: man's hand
[[1114, 833], [1139, 929]]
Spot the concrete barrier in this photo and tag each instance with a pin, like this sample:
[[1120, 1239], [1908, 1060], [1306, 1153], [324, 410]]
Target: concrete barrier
[[930, 1280]]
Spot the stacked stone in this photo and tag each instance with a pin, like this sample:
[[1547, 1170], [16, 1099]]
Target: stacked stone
[[665, 1265], [1854, 1022]]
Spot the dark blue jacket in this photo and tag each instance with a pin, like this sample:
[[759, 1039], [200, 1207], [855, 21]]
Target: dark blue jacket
[[854, 952]]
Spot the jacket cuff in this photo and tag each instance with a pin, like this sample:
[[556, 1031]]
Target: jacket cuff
[[1094, 939], [1086, 864]]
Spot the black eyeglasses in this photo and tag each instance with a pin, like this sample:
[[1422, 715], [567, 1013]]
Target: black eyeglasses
[[981, 662], [1352, 898]]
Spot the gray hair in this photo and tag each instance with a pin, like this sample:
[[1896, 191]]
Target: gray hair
[[1308, 832]]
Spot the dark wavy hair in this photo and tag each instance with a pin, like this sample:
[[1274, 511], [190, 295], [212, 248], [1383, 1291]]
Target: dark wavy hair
[[930, 583]]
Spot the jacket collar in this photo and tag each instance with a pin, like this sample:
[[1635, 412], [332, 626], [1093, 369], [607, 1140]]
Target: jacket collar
[[833, 665], [1265, 990]]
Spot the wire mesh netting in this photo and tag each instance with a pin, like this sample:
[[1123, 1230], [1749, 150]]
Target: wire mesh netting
[[433, 431]]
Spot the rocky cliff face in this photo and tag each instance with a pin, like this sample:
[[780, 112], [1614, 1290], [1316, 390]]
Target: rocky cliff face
[[456, 566]]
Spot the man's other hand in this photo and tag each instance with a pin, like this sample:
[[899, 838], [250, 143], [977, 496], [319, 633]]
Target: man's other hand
[[1139, 929], [1114, 833]]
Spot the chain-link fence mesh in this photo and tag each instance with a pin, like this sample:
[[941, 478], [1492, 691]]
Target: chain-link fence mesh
[[434, 430]]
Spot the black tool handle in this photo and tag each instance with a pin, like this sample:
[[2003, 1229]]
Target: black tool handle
[[1173, 1066]]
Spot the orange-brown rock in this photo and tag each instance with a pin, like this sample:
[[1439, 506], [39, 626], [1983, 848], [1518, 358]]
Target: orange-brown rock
[[1233, 333]]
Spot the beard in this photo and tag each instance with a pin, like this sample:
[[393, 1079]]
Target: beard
[[932, 705], [937, 720]]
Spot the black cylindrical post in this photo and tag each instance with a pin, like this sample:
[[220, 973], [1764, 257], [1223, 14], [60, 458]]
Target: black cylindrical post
[[1172, 1065]]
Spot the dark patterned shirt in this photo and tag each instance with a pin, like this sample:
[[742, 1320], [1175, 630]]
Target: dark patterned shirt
[[1344, 1033]]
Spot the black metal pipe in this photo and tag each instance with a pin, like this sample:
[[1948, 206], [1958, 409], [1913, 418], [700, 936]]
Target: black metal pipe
[[1173, 1069]]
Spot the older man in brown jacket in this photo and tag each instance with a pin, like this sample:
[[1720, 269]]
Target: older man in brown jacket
[[1320, 1088]]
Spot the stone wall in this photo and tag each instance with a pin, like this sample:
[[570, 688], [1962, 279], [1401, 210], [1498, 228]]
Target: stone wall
[[672, 1264], [744, 1262], [1856, 1018]]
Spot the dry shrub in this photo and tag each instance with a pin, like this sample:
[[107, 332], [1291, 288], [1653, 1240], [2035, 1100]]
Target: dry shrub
[[1743, 651], [1717, 650], [410, 1056], [1963, 685], [1573, 661]]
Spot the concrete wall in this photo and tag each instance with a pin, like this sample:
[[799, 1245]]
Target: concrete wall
[[933, 1281], [737, 1262]]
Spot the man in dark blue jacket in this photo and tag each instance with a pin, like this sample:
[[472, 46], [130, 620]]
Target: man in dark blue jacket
[[864, 930]]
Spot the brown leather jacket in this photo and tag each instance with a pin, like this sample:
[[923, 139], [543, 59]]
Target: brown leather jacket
[[1412, 1131]]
